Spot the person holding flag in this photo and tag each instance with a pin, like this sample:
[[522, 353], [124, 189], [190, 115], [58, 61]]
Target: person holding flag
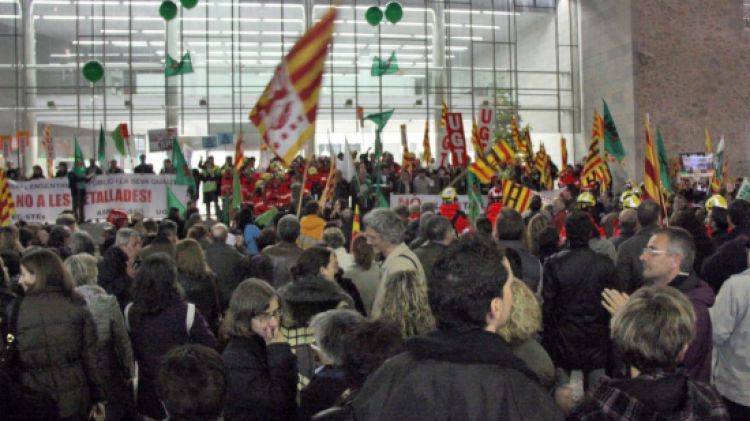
[[77, 179]]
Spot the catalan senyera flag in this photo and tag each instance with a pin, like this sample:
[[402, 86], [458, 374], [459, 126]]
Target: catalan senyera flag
[[515, 134], [719, 167], [478, 152], [7, 205], [285, 113], [503, 151], [542, 164], [592, 167], [483, 169], [427, 151], [239, 152], [564, 152], [708, 144], [328, 190], [443, 115], [651, 176], [48, 144], [356, 227], [516, 196]]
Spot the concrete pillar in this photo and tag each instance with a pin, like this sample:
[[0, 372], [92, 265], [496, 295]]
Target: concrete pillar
[[172, 84], [439, 76], [29, 86]]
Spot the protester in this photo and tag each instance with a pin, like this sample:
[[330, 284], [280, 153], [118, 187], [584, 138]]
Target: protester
[[405, 304], [198, 281], [118, 265], [334, 239], [471, 298], [629, 267], [652, 331], [192, 383], [222, 259], [261, 369], [439, 233], [509, 230], [115, 353], [158, 320], [364, 271], [57, 339], [284, 255]]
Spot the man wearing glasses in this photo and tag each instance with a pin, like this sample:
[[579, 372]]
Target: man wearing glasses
[[668, 260]]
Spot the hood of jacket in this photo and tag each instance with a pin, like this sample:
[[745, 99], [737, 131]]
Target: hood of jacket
[[474, 346], [694, 288], [89, 292], [312, 289], [312, 223]]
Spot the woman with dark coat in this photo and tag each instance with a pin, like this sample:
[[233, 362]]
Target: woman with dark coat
[[10, 250], [198, 281], [57, 339], [312, 291], [261, 369], [115, 355], [59, 240], [159, 319]]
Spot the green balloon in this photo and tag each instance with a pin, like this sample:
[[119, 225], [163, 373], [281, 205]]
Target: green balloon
[[93, 71], [374, 15], [394, 12], [188, 4], [168, 10]]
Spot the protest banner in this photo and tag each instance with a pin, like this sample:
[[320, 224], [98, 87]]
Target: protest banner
[[41, 201], [410, 199]]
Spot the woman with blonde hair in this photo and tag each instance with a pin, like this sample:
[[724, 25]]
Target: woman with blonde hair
[[405, 304], [115, 354], [197, 280], [534, 228], [521, 330]]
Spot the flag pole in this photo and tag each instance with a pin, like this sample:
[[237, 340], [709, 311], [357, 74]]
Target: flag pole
[[302, 189]]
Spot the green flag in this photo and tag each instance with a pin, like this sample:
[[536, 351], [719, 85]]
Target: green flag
[[80, 170], [183, 175], [266, 218], [663, 163], [101, 155], [119, 135], [475, 198], [382, 67], [236, 190], [612, 143], [174, 202], [173, 67], [381, 119]]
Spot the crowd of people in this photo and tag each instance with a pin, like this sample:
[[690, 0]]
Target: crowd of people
[[590, 308]]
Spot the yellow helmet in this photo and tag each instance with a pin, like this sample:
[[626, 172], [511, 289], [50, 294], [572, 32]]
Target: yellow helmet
[[632, 201], [586, 199], [625, 194], [448, 195], [716, 200]]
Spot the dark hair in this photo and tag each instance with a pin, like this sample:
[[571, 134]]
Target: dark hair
[[516, 264], [509, 225], [311, 208], [739, 212], [368, 345], [81, 242], [155, 287], [437, 227], [25, 236], [251, 298], [484, 225], [266, 238], [192, 383], [536, 203], [464, 281], [48, 269], [258, 266], [648, 213], [197, 232], [363, 252], [166, 228], [579, 228], [311, 261], [548, 242], [719, 216], [57, 236], [150, 225], [244, 218]]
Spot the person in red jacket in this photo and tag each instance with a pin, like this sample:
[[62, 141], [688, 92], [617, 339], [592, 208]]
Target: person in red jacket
[[451, 209], [495, 197]]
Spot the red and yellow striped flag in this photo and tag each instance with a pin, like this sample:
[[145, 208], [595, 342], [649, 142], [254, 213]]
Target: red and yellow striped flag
[[285, 113], [239, 152], [652, 176], [516, 136], [426, 143], [7, 205], [356, 228], [444, 115], [563, 152], [478, 152], [594, 161], [516, 196]]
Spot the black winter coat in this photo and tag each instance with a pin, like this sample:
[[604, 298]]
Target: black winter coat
[[203, 292], [576, 325], [113, 275], [57, 343], [469, 375], [261, 380]]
